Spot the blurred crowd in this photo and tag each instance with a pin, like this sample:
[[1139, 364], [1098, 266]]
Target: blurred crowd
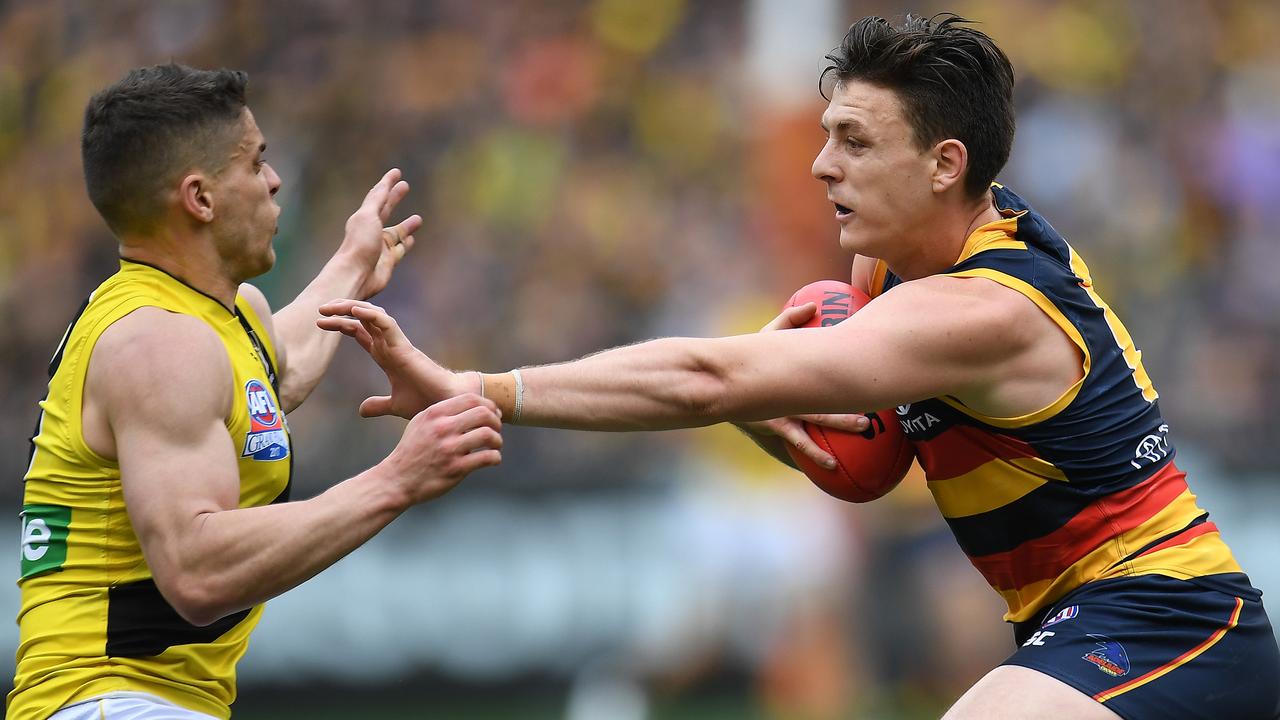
[[596, 172]]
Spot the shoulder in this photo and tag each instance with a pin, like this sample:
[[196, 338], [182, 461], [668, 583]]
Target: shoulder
[[257, 301], [973, 317], [161, 362], [262, 309]]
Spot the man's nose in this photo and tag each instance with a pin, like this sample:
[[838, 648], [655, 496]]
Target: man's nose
[[273, 180], [823, 167]]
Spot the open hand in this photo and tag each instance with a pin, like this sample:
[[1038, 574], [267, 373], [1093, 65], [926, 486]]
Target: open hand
[[416, 380], [374, 246]]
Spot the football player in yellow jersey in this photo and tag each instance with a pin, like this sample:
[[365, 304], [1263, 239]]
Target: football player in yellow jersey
[[156, 511], [1023, 394]]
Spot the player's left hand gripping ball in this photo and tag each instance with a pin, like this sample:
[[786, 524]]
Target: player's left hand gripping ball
[[868, 464]]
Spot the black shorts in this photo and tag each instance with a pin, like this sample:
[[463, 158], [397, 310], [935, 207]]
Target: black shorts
[[1151, 647]]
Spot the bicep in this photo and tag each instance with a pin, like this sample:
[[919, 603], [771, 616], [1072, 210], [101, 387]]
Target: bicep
[[163, 381], [919, 340], [172, 472]]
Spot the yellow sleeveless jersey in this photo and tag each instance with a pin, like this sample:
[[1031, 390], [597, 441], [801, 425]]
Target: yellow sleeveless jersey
[[92, 620]]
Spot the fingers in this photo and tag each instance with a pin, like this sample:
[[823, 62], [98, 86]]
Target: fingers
[[478, 425], [378, 195], [792, 317], [350, 327], [478, 417], [458, 404], [485, 438], [376, 406], [341, 306], [393, 198], [386, 194], [480, 443], [391, 237], [473, 461], [847, 422], [408, 227], [793, 432], [380, 326], [399, 238]]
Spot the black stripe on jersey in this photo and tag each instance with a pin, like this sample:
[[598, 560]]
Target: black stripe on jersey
[[1031, 516], [141, 623], [261, 349], [283, 497], [1200, 520], [62, 346], [927, 419], [54, 364], [1034, 515]]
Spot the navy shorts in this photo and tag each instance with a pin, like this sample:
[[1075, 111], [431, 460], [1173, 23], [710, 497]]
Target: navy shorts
[[1151, 647]]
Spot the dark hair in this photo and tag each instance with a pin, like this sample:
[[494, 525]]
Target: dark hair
[[952, 80], [155, 123]]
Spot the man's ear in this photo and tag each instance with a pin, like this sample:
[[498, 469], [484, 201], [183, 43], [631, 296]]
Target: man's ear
[[951, 160], [195, 197]]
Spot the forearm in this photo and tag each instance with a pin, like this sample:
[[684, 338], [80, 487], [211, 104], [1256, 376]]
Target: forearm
[[307, 349], [656, 385], [233, 559], [690, 382]]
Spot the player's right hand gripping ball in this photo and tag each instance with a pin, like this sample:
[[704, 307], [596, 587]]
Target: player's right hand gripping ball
[[868, 464]]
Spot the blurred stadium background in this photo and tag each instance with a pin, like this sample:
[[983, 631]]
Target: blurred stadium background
[[597, 172]]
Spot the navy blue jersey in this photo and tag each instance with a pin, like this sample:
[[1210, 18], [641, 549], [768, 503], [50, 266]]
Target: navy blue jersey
[[1082, 489]]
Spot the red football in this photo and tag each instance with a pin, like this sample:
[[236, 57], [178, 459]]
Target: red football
[[868, 464]]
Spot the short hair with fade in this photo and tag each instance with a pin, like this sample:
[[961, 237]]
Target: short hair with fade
[[952, 80], [144, 131]]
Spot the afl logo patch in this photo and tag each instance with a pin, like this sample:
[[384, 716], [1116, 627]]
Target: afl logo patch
[[1065, 614], [266, 439], [262, 408]]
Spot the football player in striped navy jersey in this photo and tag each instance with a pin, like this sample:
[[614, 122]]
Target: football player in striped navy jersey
[[1024, 395]]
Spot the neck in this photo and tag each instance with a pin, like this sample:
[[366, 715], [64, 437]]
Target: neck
[[938, 251], [188, 260]]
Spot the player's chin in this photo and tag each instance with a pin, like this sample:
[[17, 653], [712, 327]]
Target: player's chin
[[263, 263], [852, 242]]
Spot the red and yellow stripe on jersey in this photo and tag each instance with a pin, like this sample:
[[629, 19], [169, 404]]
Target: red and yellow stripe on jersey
[[1082, 489]]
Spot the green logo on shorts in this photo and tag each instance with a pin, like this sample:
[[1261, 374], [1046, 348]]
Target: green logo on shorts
[[44, 538]]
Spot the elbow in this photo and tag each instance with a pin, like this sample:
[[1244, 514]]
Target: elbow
[[195, 599], [704, 397], [292, 393], [706, 390]]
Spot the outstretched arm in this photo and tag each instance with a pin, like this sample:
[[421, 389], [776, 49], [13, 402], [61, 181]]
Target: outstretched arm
[[971, 338], [161, 381], [361, 267]]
